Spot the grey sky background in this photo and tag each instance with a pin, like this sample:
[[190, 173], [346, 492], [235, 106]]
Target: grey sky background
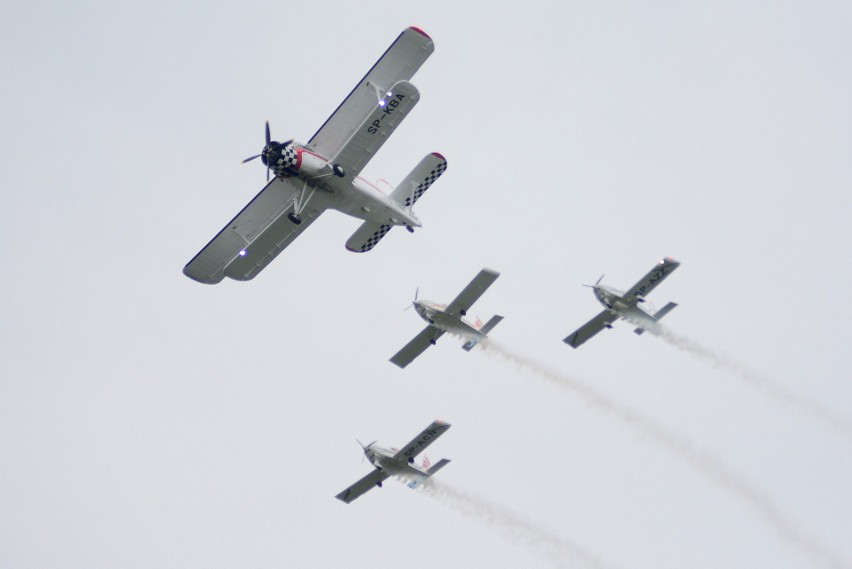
[[146, 419]]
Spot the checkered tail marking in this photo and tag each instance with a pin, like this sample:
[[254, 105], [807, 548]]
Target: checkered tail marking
[[434, 174], [375, 237]]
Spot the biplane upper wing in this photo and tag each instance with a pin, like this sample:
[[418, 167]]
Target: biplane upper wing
[[254, 237], [419, 443], [591, 328], [399, 63], [363, 486], [471, 293], [649, 282], [416, 346]]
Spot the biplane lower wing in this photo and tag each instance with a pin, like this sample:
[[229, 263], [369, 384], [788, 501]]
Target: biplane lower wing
[[417, 346], [255, 236], [590, 328], [372, 480], [376, 128]]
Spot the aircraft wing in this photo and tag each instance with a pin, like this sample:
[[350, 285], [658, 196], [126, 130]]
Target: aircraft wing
[[416, 346], [399, 63], [363, 486], [377, 127], [591, 328], [423, 440], [254, 237], [471, 293], [649, 282]]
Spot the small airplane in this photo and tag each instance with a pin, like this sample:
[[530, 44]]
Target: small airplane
[[398, 462], [324, 174], [450, 318], [626, 304]]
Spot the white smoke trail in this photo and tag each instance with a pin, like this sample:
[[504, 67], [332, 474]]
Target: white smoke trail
[[560, 551], [763, 384], [705, 464]]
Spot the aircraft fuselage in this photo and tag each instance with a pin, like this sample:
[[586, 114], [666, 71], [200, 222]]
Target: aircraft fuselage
[[324, 188], [613, 299], [383, 459], [436, 315]]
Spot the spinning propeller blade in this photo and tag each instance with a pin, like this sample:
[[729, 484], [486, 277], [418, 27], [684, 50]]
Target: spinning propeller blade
[[596, 284], [269, 147], [364, 448], [416, 292]]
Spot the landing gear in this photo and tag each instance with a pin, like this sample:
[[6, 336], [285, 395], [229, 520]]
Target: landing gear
[[379, 484], [433, 341], [338, 170], [409, 228], [608, 326], [294, 218], [410, 460], [463, 312]]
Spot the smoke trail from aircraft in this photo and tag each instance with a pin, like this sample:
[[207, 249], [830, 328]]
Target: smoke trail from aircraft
[[561, 551], [763, 384], [705, 464]]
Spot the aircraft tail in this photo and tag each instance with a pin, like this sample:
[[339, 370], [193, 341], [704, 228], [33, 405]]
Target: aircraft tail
[[438, 466], [406, 194], [659, 314], [419, 180], [486, 328], [664, 310]]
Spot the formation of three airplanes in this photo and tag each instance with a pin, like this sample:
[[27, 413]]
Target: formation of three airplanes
[[308, 179]]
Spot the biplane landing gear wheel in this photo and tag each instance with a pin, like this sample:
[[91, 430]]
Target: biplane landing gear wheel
[[409, 228], [463, 312], [433, 341], [338, 170], [294, 218]]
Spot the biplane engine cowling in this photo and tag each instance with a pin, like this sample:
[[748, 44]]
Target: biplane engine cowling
[[293, 158], [310, 164]]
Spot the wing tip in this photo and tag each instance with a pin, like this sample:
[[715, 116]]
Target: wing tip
[[419, 31], [439, 156], [207, 280]]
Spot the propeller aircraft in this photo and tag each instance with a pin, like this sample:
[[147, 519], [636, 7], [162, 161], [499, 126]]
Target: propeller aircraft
[[626, 305], [450, 318], [324, 174], [398, 462]]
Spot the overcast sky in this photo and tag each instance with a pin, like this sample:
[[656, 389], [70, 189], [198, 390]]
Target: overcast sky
[[148, 420]]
